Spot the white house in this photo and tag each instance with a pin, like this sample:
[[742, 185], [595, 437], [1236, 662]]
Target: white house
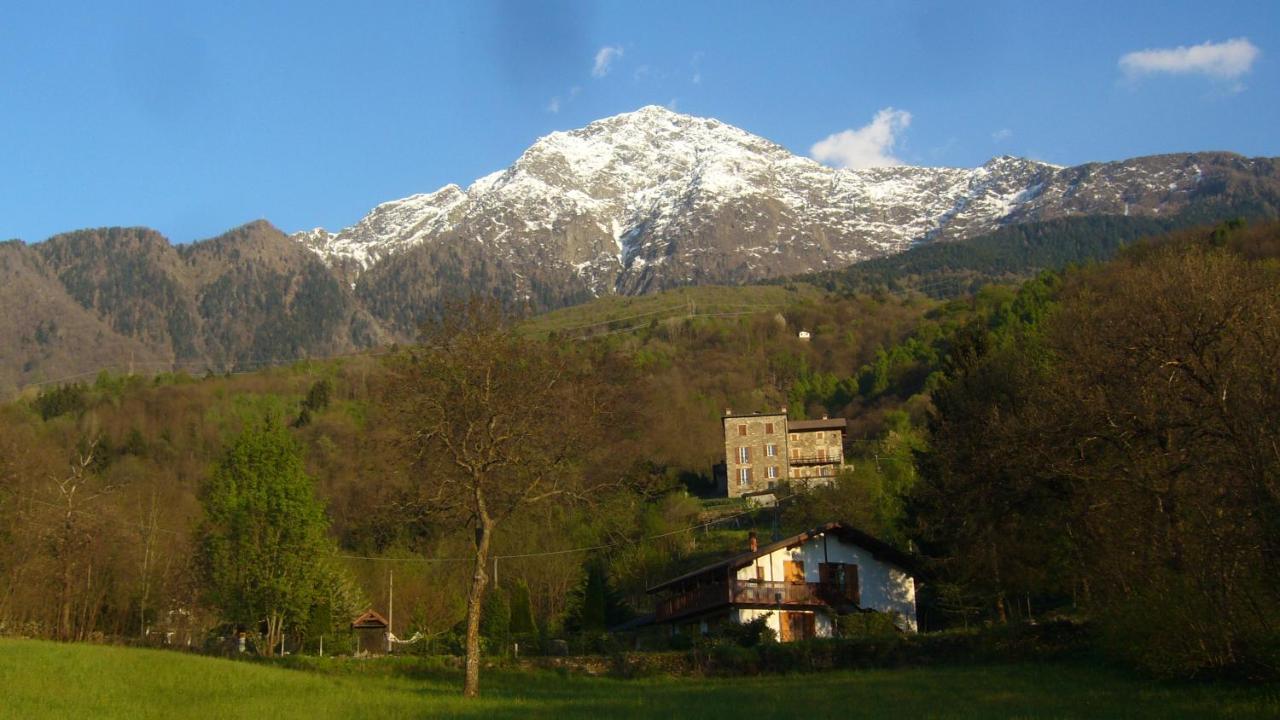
[[802, 583]]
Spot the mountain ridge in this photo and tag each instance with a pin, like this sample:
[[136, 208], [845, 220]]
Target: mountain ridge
[[652, 199], [630, 204]]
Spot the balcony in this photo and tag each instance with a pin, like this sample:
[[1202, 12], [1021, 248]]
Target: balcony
[[816, 459], [749, 592]]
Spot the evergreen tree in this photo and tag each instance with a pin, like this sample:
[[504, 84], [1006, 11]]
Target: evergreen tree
[[521, 610]]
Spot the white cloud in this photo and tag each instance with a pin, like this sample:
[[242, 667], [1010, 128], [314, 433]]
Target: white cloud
[[1223, 61], [574, 91], [554, 105], [868, 146], [1001, 134], [604, 59]]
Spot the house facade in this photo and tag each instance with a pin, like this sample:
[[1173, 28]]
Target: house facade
[[801, 583], [762, 449]]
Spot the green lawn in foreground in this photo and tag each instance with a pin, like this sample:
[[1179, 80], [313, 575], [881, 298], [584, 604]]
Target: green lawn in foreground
[[41, 680]]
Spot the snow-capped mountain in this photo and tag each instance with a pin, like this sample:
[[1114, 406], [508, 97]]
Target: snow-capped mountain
[[654, 198], [628, 204]]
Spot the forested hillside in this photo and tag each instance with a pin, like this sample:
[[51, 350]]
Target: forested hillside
[[1096, 442], [1016, 252]]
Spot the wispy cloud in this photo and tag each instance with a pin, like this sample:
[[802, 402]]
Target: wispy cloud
[[1001, 135], [1222, 61], [554, 105], [604, 60], [696, 64], [868, 146]]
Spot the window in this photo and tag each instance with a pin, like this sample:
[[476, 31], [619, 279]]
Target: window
[[795, 437], [744, 476], [742, 429], [795, 453], [744, 454], [773, 472], [771, 450], [794, 571], [768, 428], [840, 579], [759, 573]]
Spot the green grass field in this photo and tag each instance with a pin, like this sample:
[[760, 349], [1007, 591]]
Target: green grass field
[[47, 680], [618, 312]]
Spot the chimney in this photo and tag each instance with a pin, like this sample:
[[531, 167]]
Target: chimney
[[751, 539]]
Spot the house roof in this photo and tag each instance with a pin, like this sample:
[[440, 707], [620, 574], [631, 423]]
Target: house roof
[[738, 416], [880, 550], [370, 619], [832, 424]]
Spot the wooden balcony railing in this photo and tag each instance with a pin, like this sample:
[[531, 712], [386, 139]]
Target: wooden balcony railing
[[818, 459], [747, 592]]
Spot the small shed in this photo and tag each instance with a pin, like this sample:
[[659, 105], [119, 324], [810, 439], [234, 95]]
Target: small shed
[[371, 633]]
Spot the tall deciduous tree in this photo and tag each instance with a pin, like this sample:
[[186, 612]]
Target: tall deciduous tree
[[263, 547], [492, 422]]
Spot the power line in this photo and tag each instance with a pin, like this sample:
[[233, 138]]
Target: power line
[[567, 551]]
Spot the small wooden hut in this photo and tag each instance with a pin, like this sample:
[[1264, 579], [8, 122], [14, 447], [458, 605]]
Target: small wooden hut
[[371, 633]]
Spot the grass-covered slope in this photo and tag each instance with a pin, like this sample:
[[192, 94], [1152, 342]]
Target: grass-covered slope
[[46, 680], [618, 313]]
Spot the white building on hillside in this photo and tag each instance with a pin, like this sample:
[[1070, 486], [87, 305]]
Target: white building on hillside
[[802, 583]]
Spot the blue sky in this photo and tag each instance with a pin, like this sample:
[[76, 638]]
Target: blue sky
[[195, 118]]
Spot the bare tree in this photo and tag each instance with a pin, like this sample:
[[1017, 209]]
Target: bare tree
[[492, 422], [76, 489]]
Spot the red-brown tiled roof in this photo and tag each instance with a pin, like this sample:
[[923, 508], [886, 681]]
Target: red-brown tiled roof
[[369, 620]]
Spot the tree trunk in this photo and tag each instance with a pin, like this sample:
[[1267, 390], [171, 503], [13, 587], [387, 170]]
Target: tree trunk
[[275, 621], [475, 603], [64, 614]]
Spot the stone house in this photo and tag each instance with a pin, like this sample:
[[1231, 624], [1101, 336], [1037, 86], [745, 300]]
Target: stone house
[[762, 449]]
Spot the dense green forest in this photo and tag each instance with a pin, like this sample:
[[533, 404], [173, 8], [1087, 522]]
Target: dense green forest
[[1097, 442], [1017, 252]]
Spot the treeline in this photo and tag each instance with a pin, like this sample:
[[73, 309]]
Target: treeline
[[1110, 444], [104, 486], [1097, 442], [1100, 443]]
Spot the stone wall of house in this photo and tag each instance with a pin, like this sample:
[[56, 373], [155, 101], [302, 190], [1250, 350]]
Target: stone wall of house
[[756, 434], [814, 453]]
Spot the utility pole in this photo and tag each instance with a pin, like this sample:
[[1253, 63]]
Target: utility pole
[[391, 606]]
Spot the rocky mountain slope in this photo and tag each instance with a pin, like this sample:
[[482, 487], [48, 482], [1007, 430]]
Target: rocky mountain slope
[[653, 199], [127, 298]]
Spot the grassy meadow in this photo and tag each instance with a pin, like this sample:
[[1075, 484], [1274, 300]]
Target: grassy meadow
[[620, 312], [48, 680]]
